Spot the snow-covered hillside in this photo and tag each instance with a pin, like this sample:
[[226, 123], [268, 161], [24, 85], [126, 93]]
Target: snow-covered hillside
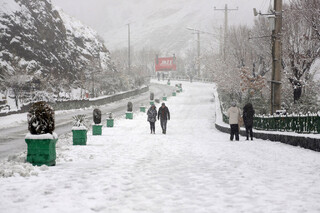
[[37, 37], [44, 49]]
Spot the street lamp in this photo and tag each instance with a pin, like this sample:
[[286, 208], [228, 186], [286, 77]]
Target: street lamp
[[255, 12], [271, 17]]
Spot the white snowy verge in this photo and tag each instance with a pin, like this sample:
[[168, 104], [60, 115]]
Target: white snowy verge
[[79, 128], [42, 136]]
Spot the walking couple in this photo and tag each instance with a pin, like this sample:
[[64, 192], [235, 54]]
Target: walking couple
[[163, 114], [234, 115]]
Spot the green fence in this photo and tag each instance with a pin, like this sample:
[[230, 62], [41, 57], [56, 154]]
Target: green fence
[[224, 116], [309, 123]]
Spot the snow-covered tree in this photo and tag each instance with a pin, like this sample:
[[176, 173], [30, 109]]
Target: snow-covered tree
[[300, 48]]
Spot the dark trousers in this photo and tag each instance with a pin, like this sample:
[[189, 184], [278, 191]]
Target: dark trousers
[[234, 131], [163, 123], [152, 127], [249, 131]]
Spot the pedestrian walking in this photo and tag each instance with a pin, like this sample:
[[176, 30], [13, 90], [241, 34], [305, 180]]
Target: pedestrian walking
[[234, 115], [164, 115], [152, 117], [248, 113]]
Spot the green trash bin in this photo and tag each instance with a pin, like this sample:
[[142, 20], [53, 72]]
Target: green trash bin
[[168, 83], [142, 109], [164, 98], [129, 115], [110, 122], [174, 94], [79, 136], [97, 129], [41, 151], [151, 103]]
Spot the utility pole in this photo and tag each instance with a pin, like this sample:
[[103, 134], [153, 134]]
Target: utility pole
[[129, 59], [93, 95], [82, 83], [226, 10], [275, 18], [221, 41], [276, 58], [198, 47], [198, 37]]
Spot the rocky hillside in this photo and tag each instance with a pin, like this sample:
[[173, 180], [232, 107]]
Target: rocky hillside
[[44, 49]]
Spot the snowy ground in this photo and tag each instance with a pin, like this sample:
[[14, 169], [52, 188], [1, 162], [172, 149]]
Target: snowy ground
[[192, 169], [13, 128]]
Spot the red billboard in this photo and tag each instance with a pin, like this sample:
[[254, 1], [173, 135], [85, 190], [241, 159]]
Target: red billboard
[[166, 64]]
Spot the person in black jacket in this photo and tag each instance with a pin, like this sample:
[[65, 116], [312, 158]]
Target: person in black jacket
[[152, 117], [164, 115], [248, 113]]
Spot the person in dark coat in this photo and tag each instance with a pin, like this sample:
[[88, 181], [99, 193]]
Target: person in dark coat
[[164, 115], [248, 113], [152, 117]]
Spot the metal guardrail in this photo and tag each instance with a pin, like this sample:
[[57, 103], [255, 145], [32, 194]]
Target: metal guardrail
[[177, 78]]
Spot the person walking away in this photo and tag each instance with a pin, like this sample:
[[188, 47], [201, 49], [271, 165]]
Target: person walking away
[[248, 113], [164, 115], [152, 117], [234, 115]]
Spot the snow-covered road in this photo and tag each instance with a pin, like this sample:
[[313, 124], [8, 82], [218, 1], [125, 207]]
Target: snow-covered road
[[13, 128], [192, 169]]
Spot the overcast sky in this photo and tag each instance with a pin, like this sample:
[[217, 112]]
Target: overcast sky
[[109, 17]]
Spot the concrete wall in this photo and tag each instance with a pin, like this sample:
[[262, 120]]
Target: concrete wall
[[302, 141], [78, 104]]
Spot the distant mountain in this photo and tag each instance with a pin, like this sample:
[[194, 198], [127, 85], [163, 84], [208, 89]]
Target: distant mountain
[[155, 24], [163, 25], [43, 44]]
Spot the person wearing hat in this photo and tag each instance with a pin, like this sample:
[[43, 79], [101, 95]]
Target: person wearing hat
[[152, 117], [164, 115], [234, 114]]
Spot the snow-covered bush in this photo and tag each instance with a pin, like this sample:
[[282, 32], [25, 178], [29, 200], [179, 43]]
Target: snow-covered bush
[[79, 121], [42, 96], [41, 118], [110, 115], [97, 116], [129, 106]]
